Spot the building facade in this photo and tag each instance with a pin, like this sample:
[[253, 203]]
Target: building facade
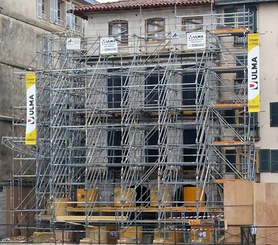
[[144, 134], [162, 121], [21, 23]]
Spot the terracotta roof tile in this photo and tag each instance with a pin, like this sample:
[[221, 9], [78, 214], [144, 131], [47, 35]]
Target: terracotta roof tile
[[135, 4]]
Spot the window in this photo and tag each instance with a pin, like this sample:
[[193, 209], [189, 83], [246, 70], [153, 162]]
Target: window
[[189, 151], [60, 13], [229, 116], [115, 90], [54, 11], [155, 28], [152, 147], [70, 18], [264, 160], [254, 120], [269, 160], [231, 158], [234, 17], [59, 9], [49, 9], [155, 91], [119, 30], [40, 8], [114, 138], [240, 17], [240, 78], [274, 114], [155, 140], [192, 24], [274, 160], [189, 88]]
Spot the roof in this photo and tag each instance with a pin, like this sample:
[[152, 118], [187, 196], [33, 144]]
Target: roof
[[83, 11], [232, 2]]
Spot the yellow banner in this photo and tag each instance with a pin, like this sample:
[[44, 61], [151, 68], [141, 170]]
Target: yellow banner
[[253, 73], [253, 41], [31, 130]]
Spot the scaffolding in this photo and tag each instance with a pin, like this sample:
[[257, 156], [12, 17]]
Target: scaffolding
[[134, 147]]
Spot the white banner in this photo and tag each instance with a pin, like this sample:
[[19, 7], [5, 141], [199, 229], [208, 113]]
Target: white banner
[[108, 45], [73, 43], [253, 73], [179, 38], [196, 40], [31, 130]]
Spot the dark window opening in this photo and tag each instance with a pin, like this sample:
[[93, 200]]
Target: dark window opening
[[274, 161], [155, 146], [274, 114], [231, 158], [240, 77], [190, 81], [189, 151], [142, 196], [189, 89], [268, 160], [155, 91], [241, 17], [43, 6], [115, 150], [115, 91], [152, 147], [59, 12], [254, 123], [229, 116]]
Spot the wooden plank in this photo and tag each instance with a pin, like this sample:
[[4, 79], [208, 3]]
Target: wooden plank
[[266, 204], [230, 31], [228, 143], [238, 203], [238, 193], [239, 215], [188, 113], [228, 105], [227, 180]]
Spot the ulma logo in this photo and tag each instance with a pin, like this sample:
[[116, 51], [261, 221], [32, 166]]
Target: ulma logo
[[200, 36], [253, 85], [31, 119]]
